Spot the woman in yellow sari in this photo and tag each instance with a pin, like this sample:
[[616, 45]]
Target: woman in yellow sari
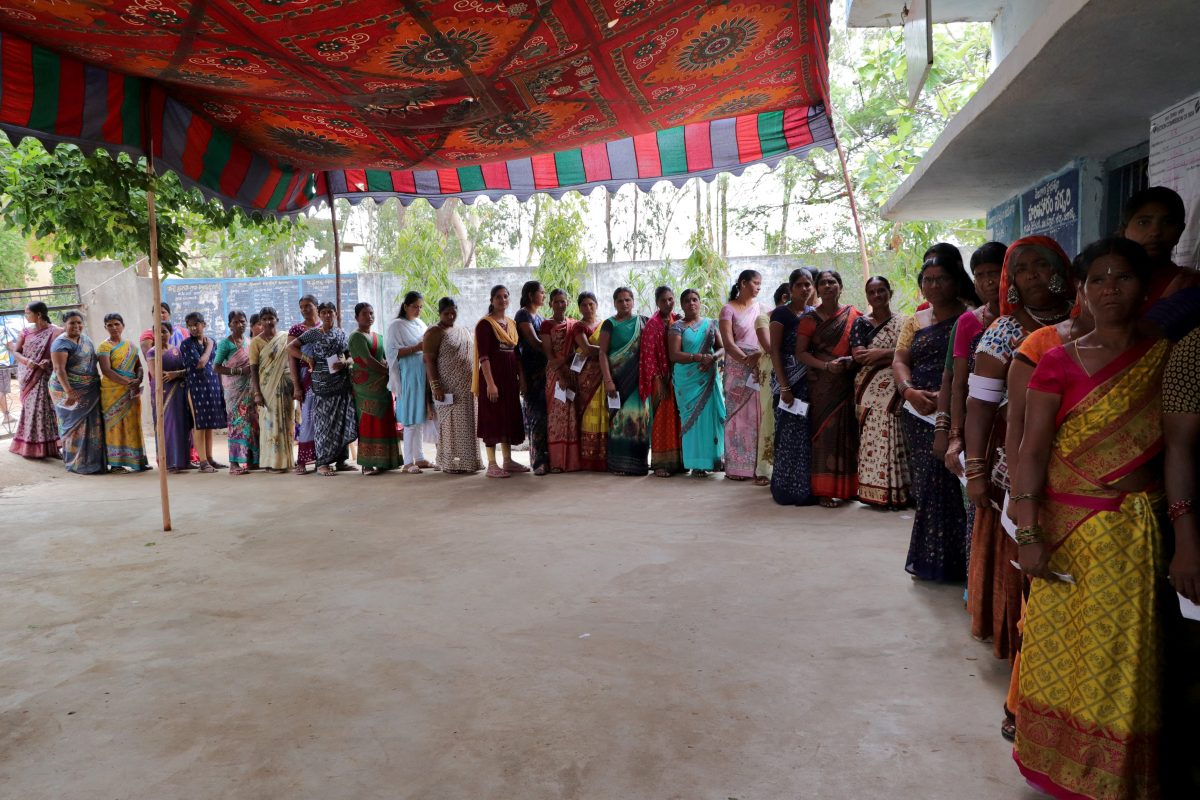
[[1087, 497], [121, 399], [272, 394]]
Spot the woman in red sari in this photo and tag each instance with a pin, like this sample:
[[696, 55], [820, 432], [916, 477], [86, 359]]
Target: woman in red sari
[[823, 345], [654, 385], [1088, 499], [562, 424]]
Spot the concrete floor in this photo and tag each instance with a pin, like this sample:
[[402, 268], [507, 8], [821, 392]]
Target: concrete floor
[[442, 637]]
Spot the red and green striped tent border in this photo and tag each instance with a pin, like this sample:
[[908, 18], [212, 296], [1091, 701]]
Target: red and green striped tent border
[[56, 98], [701, 150]]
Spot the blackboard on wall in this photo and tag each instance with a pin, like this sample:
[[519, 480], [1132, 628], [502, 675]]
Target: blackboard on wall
[[1052, 209], [215, 298], [207, 297], [322, 286], [253, 295]]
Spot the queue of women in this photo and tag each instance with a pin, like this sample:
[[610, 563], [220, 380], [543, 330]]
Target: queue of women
[[1020, 412]]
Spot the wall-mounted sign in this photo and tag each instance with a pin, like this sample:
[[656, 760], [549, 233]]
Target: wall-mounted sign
[[216, 297], [1004, 222], [1052, 209], [1175, 163]]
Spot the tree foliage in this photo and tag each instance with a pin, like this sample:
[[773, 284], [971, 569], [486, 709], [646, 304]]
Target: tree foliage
[[559, 243], [14, 263], [706, 271]]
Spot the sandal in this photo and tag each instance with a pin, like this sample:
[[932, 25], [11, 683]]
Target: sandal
[[495, 472], [238, 469], [762, 480], [830, 502], [661, 473], [207, 469], [326, 471], [411, 469], [540, 471], [369, 471], [738, 478], [424, 464], [216, 465], [299, 470], [513, 466], [342, 466], [1008, 729]]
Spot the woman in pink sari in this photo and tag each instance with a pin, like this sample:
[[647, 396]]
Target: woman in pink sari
[[37, 429], [743, 378]]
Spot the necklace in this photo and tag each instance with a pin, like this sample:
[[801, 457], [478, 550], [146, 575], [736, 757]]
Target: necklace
[[1052, 317]]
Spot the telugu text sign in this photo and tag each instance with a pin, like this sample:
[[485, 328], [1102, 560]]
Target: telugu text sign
[[1175, 163], [1052, 209]]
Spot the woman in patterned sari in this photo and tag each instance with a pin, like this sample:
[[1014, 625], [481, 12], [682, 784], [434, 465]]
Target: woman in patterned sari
[[37, 428], [121, 399], [694, 347], [1088, 498], [377, 448], [232, 363], [301, 379], [937, 550], [629, 425], [448, 365], [654, 386], [335, 425], [823, 344], [791, 474], [882, 456], [562, 420], [590, 400], [273, 394], [75, 388], [743, 355]]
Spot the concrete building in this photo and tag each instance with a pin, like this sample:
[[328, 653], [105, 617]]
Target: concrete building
[[1061, 132]]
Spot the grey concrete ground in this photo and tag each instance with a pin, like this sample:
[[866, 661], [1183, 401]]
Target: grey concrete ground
[[447, 638]]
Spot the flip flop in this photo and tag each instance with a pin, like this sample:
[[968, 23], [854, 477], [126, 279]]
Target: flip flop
[[513, 466], [496, 472]]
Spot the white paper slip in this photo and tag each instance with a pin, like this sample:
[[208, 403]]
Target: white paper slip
[[578, 363], [912, 410], [447, 401], [798, 407], [570, 395], [614, 403], [560, 394], [962, 460], [333, 361], [752, 382], [1009, 526], [1189, 609], [1062, 576]]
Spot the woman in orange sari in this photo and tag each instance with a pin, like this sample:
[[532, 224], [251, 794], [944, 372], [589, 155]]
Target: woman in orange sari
[[823, 345], [1087, 497]]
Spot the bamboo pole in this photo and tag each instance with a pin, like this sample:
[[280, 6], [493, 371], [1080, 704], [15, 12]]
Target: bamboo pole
[[159, 434], [862, 242], [337, 255]]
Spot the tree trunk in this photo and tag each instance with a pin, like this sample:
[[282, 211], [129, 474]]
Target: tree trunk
[[609, 250], [723, 206], [699, 214], [537, 216], [633, 237]]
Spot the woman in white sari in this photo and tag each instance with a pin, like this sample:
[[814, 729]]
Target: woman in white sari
[[403, 345]]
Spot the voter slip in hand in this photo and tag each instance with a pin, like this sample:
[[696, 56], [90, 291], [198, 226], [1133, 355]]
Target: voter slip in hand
[[1062, 576], [449, 400], [614, 403], [752, 382], [798, 407], [560, 394], [578, 363]]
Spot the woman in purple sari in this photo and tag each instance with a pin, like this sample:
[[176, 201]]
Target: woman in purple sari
[[177, 421]]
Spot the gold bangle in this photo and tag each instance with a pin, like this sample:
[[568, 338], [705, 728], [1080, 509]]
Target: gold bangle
[[1029, 534], [1016, 498]]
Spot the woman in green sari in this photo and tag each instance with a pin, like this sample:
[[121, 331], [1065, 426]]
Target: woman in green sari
[[378, 450], [620, 351], [694, 347]]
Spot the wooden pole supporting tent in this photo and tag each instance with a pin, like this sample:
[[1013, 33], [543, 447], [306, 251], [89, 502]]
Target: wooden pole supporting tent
[[160, 446], [337, 255]]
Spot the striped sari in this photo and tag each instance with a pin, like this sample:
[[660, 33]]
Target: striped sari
[[377, 446], [562, 419], [121, 406], [277, 412], [1089, 712], [831, 415], [80, 424]]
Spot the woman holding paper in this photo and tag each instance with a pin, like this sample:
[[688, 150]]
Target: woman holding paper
[[591, 402], [562, 421], [1088, 503], [405, 337], [448, 366], [75, 388], [121, 399], [300, 371], [742, 378], [791, 476], [205, 397], [530, 353], [654, 387], [271, 379], [497, 384], [694, 347], [37, 428], [232, 363], [937, 549], [823, 345], [377, 449], [333, 399], [620, 350]]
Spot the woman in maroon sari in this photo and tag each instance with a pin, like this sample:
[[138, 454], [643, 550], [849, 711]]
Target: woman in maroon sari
[[37, 429], [823, 345], [497, 382]]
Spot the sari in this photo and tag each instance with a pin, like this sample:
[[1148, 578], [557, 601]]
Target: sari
[[665, 436], [937, 549], [742, 404], [81, 426], [276, 414], [700, 397], [1090, 711], [335, 425], [240, 409], [562, 418], [831, 414], [882, 456], [629, 426], [37, 428], [377, 446], [305, 432], [458, 447], [591, 403], [121, 406], [501, 421], [791, 473], [533, 365], [177, 420]]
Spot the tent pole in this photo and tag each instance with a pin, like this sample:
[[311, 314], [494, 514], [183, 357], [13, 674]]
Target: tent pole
[[337, 253], [862, 242], [159, 435]]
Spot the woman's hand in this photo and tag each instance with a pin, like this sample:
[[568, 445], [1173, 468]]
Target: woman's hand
[[921, 401], [610, 389], [298, 394], [787, 397], [1035, 561], [43, 365], [439, 394], [308, 360], [951, 457], [977, 491], [493, 393], [259, 400], [72, 397]]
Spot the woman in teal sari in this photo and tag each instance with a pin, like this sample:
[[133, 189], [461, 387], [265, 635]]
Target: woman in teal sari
[[694, 348], [75, 389], [620, 351]]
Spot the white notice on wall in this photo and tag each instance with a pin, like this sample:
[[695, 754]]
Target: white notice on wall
[[1175, 163]]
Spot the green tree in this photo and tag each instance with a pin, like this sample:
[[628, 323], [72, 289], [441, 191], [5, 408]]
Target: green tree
[[14, 261], [559, 243], [411, 246], [706, 271]]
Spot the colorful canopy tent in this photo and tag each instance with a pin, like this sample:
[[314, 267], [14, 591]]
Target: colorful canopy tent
[[272, 104]]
